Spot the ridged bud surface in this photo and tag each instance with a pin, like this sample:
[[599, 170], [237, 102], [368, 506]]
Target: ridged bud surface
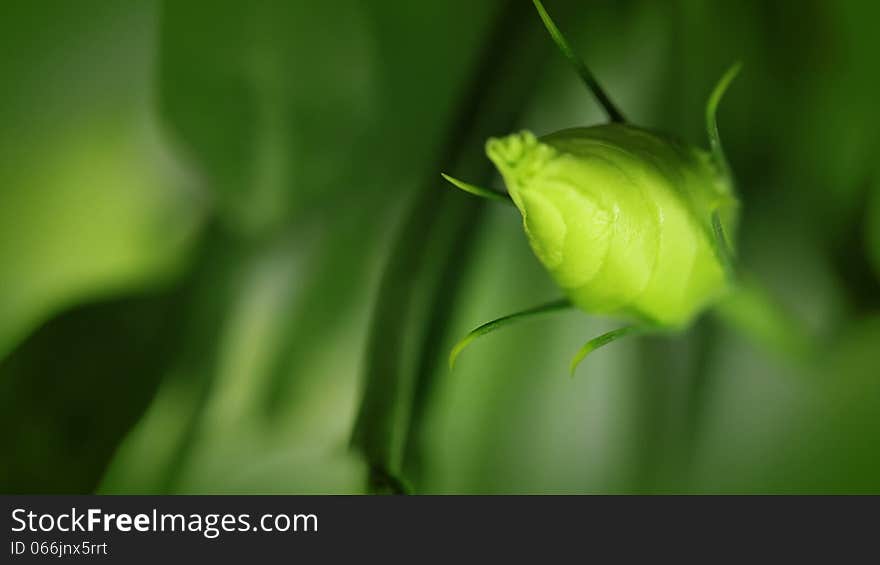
[[621, 217]]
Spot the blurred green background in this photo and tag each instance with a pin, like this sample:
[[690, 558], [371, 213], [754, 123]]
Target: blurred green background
[[228, 263]]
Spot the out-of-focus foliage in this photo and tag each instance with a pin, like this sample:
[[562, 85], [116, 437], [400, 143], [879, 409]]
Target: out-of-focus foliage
[[200, 203], [873, 227], [92, 201]]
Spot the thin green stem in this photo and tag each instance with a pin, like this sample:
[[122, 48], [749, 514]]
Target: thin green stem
[[712, 120], [487, 193], [592, 84], [489, 327], [602, 341]]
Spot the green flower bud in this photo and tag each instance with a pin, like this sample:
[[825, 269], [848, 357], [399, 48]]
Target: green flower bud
[[621, 218], [628, 222]]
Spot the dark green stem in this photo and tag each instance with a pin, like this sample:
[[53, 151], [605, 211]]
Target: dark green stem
[[499, 323], [580, 67], [404, 315]]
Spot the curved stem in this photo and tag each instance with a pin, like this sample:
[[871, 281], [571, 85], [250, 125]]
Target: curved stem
[[712, 121], [499, 323], [602, 341]]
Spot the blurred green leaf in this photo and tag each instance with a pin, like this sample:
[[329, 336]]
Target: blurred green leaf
[[70, 393], [92, 202], [216, 218]]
